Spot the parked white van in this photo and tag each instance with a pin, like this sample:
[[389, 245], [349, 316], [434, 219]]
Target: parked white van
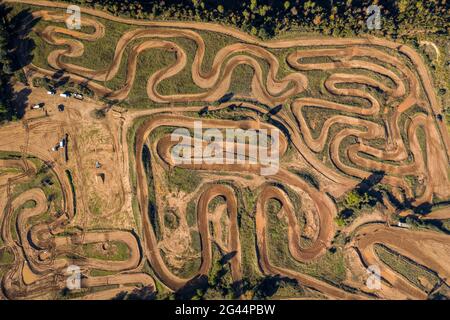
[[66, 94], [38, 106]]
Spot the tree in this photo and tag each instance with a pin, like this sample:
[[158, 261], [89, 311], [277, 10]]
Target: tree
[[354, 200], [15, 53], [6, 93]]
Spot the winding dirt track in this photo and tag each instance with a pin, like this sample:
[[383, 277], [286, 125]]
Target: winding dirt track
[[417, 245], [355, 67], [39, 248], [273, 91]]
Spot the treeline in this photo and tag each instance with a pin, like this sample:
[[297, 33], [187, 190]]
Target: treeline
[[6, 70], [15, 52], [268, 18]]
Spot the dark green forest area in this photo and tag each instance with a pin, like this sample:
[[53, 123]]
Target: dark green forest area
[[268, 18]]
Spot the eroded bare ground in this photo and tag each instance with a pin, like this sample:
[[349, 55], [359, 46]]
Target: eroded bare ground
[[96, 204]]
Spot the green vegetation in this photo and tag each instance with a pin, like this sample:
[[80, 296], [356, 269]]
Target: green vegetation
[[434, 225], [273, 206], [366, 195], [6, 256], [182, 82], [62, 85], [277, 287], [45, 180], [14, 54], [191, 266], [354, 200], [241, 80], [219, 285], [183, 179], [5, 67], [95, 204], [171, 220], [309, 177], [266, 18], [214, 203], [72, 186], [262, 18], [191, 214], [330, 267], [416, 274], [247, 234], [101, 273], [114, 251], [131, 141]]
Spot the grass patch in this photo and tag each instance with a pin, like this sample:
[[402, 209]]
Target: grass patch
[[72, 186], [413, 272], [183, 179], [330, 267], [116, 251], [191, 214], [101, 273], [214, 203], [6, 256]]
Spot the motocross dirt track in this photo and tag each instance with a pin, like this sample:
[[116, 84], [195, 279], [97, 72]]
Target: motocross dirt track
[[47, 250]]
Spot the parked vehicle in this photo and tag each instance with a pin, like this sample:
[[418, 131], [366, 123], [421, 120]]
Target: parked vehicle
[[38, 106], [65, 94], [51, 92], [56, 148], [403, 225], [78, 96]]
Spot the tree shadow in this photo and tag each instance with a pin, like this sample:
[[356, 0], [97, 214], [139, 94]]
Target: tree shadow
[[369, 186], [20, 44], [17, 50], [20, 101], [227, 257], [275, 110], [61, 82], [144, 293], [189, 290], [199, 285], [203, 111], [58, 74], [270, 285], [227, 97]]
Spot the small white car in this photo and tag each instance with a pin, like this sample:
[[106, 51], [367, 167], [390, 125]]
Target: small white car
[[51, 92], [37, 106], [65, 94], [78, 96]]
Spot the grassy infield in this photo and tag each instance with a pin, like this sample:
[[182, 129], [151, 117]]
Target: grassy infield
[[98, 54]]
